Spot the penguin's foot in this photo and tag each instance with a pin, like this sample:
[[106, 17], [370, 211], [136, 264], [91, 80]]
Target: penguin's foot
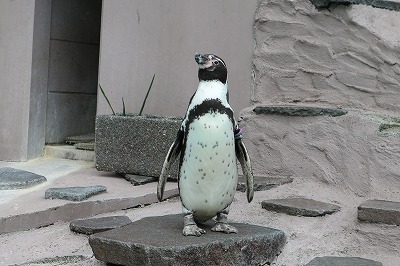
[[193, 230], [224, 227], [190, 227]]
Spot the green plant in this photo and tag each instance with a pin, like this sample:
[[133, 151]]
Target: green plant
[[123, 103]]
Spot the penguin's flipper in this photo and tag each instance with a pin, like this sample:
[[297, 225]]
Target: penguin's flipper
[[243, 157], [172, 154]]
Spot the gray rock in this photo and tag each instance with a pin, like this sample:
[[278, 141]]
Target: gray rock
[[159, 241], [342, 261], [300, 207], [379, 211], [263, 182], [384, 4], [294, 110], [11, 178], [135, 144], [89, 146], [137, 180], [96, 225], [80, 139], [74, 193]]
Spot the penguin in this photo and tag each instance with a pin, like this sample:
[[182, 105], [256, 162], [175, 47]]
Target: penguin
[[208, 144]]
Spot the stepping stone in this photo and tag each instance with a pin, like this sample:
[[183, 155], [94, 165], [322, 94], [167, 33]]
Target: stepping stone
[[379, 211], [73, 193], [300, 207], [11, 178], [137, 180], [263, 182], [80, 139], [96, 225], [88, 146], [342, 261], [159, 241]]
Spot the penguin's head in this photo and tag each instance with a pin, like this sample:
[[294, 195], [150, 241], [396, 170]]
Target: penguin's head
[[211, 67]]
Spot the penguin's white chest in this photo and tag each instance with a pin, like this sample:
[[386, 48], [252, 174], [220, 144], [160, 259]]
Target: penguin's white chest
[[208, 175]]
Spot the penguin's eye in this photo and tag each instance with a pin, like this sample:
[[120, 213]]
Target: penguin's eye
[[216, 62]]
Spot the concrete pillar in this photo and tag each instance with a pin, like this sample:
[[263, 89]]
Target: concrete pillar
[[24, 42]]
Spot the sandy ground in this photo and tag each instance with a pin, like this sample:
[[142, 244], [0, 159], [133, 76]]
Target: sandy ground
[[339, 234]]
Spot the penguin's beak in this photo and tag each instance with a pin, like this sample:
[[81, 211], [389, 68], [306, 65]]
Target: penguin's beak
[[200, 59]]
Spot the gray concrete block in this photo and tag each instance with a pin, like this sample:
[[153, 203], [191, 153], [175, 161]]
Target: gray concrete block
[[96, 225], [135, 144], [300, 207], [74, 193], [263, 182], [342, 261], [159, 241], [73, 67], [379, 211], [11, 178], [69, 114]]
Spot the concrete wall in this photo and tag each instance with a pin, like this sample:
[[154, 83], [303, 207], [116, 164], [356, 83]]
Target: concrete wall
[[22, 87], [73, 68], [344, 56], [143, 37]]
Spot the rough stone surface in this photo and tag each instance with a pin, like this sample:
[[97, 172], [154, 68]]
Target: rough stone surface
[[298, 110], [159, 241], [137, 180], [328, 149], [56, 261], [333, 57], [135, 144], [390, 5], [96, 225], [263, 182], [379, 211], [74, 193], [11, 178], [300, 207], [342, 261]]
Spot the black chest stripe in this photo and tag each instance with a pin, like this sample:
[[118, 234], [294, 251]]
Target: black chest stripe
[[208, 106]]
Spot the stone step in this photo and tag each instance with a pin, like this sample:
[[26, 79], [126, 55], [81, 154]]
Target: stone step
[[300, 207], [342, 261], [379, 211], [263, 182], [11, 178], [159, 241], [69, 152], [96, 225]]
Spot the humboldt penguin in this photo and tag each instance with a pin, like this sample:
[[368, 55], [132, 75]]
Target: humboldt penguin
[[209, 142]]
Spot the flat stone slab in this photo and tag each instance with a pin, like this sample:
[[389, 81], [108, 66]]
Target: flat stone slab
[[89, 146], [294, 110], [96, 225], [159, 241], [342, 261], [379, 211], [137, 180], [73, 193], [11, 178], [263, 182], [300, 207], [80, 139]]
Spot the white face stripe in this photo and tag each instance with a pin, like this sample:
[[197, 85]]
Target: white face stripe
[[211, 60]]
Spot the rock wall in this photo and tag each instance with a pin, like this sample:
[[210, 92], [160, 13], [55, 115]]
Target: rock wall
[[309, 58], [325, 56]]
